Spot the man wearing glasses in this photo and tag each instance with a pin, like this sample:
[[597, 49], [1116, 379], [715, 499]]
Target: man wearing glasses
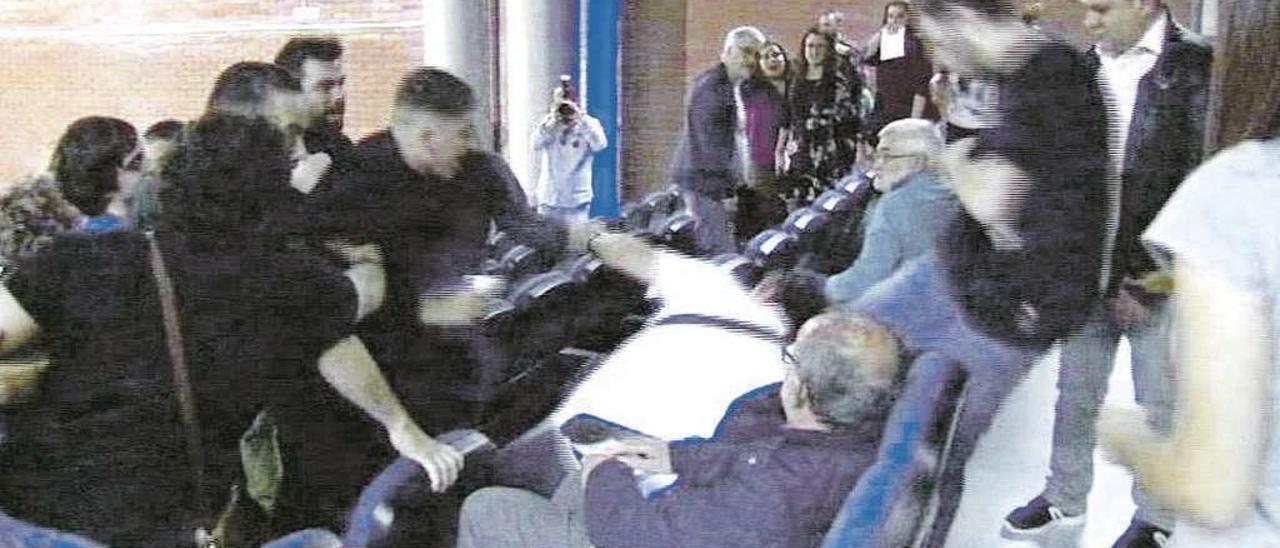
[[906, 221], [775, 472]]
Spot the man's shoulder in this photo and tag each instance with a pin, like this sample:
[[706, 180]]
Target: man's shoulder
[[1189, 47], [711, 80], [486, 167], [1056, 57], [922, 189]]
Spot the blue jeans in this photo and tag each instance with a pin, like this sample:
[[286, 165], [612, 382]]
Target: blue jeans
[[576, 214], [1087, 360]]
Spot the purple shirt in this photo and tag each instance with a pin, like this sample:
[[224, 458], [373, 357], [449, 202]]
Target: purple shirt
[[764, 106]]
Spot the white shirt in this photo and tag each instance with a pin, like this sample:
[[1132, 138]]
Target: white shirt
[[567, 153], [1222, 220], [1124, 72], [893, 44], [740, 142], [677, 381]]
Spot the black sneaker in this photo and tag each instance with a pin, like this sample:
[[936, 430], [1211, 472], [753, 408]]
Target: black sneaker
[[1141, 534], [1037, 517]]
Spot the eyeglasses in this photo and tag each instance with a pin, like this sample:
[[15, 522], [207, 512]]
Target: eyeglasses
[[788, 356], [132, 162]]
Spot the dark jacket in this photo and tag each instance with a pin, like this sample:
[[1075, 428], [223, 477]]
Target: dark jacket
[[431, 230], [707, 160], [1166, 141], [329, 139], [755, 483], [1052, 126]]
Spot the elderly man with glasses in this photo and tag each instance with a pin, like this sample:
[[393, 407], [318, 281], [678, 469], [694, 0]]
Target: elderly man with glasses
[[905, 222], [775, 472]]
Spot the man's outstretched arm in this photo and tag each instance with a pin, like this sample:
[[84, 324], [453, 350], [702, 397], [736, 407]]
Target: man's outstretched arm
[[349, 369]]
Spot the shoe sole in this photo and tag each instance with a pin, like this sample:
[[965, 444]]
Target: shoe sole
[[1010, 532]]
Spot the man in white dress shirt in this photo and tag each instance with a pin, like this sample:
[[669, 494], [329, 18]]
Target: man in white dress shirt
[[1157, 76]]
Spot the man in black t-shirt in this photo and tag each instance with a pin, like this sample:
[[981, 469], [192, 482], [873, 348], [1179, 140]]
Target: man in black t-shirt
[[428, 198]]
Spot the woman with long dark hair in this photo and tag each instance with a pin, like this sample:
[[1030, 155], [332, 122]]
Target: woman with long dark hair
[[112, 447], [822, 138], [96, 158], [764, 101]]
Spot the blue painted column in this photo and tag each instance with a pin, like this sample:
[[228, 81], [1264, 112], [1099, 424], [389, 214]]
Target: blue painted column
[[601, 20]]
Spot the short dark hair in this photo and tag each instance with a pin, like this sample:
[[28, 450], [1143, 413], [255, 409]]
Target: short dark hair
[[246, 86], [300, 48], [87, 158], [430, 89], [906, 8], [168, 130], [228, 173]]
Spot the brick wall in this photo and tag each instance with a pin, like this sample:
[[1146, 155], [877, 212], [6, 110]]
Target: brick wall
[[709, 20], [61, 60], [662, 53], [652, 60]]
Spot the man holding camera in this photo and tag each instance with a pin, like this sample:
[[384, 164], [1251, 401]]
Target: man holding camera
[[566, 140]]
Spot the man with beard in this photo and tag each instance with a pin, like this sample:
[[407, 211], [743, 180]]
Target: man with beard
[[317, 64]]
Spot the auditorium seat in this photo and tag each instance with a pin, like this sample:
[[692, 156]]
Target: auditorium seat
[[842, 241], [545, 307], [853, 182], [834, 202], [774, 249], [636, 215], [679, 232], [810, 227], [609, 297], [521, 261], [665, 202]]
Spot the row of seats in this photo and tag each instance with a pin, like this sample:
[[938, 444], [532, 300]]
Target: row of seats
[[581, 304], [559, 319]]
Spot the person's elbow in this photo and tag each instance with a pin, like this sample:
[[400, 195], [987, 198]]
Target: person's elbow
[[843, 288], [599, 145]]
